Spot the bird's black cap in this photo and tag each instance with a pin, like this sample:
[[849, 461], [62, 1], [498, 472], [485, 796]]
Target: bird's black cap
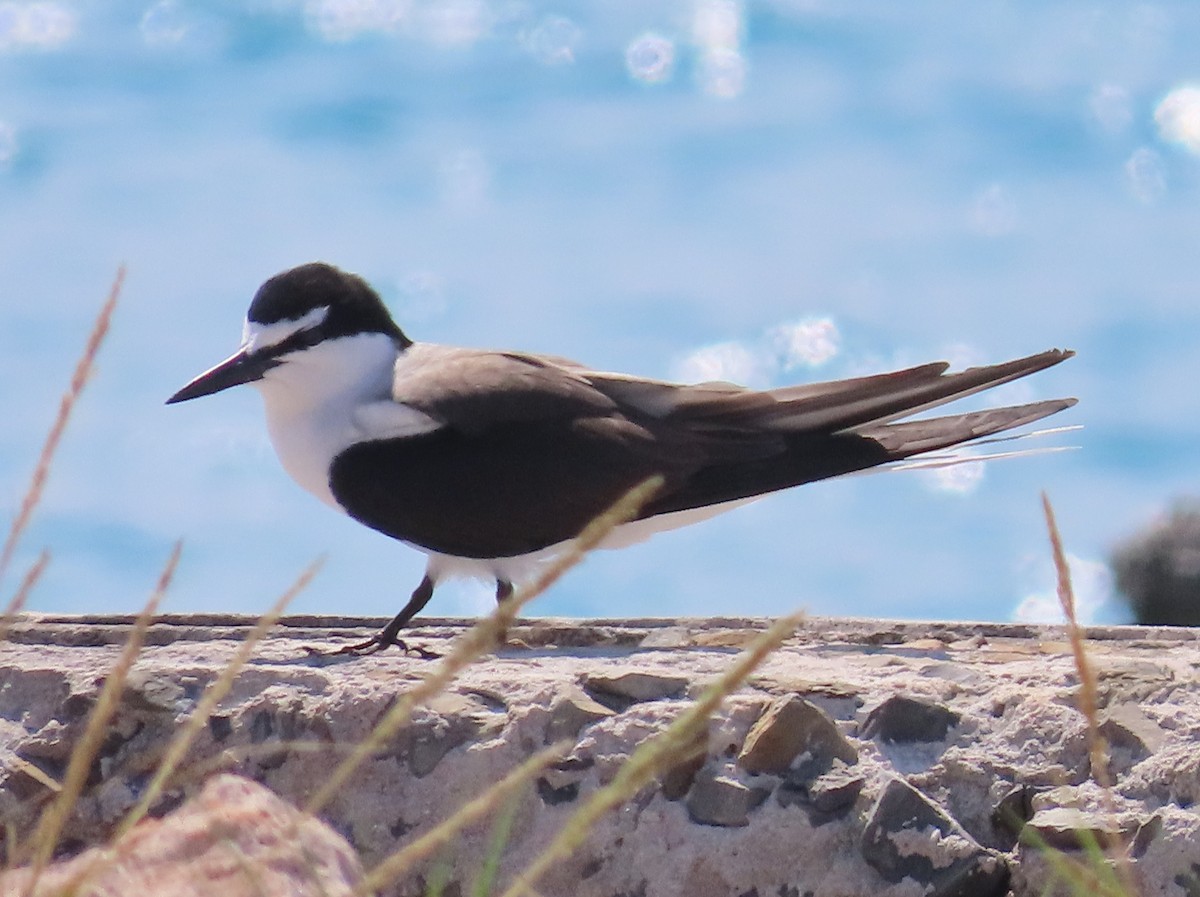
[[354, 307]]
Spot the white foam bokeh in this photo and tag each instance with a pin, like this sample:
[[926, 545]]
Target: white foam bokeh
[[956, 479], [732, 361], [1178, 117], [554, 40], [451, 23], [718, 29], [342, 20], [809, 342], [650, 57], [445, 23], [164, 24], [1091, 582], [44, 26]]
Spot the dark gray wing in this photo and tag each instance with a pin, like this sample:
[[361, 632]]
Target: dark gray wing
[[473, 389], [528, 452]]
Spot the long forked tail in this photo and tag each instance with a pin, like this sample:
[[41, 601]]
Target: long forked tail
[[918, 437], [849, 426], [847, 406]]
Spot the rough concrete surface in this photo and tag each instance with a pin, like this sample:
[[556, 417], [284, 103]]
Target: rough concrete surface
[[864, 758]]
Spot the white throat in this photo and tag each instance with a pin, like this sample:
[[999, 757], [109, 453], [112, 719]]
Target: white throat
[[327, 397]]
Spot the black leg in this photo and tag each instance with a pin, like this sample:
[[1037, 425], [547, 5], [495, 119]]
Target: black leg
[[388, 635], [504, 590]]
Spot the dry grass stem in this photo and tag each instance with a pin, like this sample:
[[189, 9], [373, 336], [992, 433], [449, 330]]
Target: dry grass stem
[[10, 840], [183, 739], [622, 511], [22, 595], [213, 695], [1088, 878], [16, 761], [657, 753], [50, 825], [425, 846], [1088, 702], [83, 370], [482, 638]]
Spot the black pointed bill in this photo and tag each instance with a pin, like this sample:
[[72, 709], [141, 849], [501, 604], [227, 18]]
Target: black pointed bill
[[243, 366]]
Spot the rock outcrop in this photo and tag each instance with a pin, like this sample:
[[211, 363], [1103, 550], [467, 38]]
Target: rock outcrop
[[865, 757]]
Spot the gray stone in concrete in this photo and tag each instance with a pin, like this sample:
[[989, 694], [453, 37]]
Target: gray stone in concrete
[[908, 836]]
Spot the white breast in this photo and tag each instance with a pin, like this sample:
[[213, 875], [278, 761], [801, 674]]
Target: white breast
[[330, 396]]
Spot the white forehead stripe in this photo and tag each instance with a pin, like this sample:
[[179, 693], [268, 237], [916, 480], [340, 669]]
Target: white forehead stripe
[[263, 336]]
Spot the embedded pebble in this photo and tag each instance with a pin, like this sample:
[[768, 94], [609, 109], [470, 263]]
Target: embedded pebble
[[904, 719], [790, 727]]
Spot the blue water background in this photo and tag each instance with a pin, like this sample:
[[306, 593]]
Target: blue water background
[[650, 187]]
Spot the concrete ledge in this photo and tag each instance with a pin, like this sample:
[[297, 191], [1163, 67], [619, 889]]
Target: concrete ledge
[[866, 757]]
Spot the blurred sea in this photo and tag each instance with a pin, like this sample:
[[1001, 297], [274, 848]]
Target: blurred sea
[[763, 192]]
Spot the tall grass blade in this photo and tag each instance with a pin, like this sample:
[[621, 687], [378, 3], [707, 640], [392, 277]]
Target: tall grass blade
[[1088, 702], [83, 370], [436, 838], [45, 836], [213, 695], [501, 835], [22, 594], [439, 875], [1096, 876]]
